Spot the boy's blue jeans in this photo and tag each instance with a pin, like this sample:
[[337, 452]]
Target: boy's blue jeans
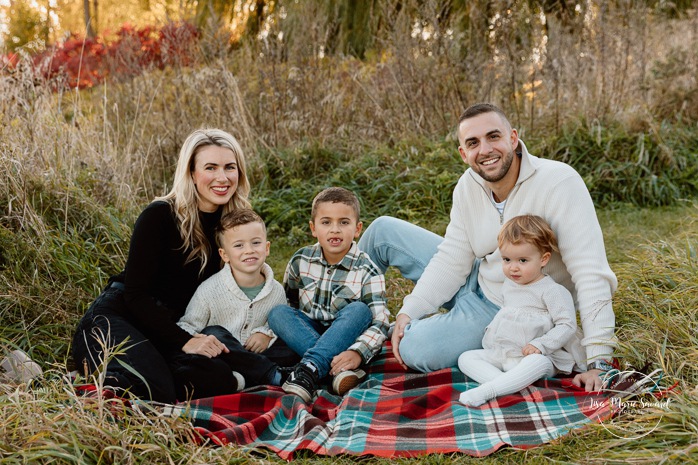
[[316, 342], [432, 343]]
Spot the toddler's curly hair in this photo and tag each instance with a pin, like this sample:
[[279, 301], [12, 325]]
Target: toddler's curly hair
[[531, 229]]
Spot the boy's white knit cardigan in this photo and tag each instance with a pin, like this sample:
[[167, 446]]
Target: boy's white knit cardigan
[[220, 301]]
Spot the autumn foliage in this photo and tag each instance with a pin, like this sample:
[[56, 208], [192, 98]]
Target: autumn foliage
[[86, 62]]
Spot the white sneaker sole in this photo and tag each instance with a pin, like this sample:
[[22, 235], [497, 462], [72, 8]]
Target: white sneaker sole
[[293, 388], [240, 380]]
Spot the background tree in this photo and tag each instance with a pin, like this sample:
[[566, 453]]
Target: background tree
[[107, 16], [243, 18], [26, 23], [355, 25], [90, 16]]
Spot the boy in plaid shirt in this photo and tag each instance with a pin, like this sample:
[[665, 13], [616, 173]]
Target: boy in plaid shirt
[[337, 318]]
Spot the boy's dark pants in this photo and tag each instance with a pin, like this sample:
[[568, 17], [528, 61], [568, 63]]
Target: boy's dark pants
[[256, 368], [139, 367]]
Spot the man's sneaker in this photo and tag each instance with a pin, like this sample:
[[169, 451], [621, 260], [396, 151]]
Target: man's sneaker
[[302, 381], [240, 381], [347, 380], [18, 367]]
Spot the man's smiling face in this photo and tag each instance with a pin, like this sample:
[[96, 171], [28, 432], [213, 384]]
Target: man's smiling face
[[487, 144]]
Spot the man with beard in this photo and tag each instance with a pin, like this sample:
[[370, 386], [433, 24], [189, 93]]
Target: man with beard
[[462, 271]]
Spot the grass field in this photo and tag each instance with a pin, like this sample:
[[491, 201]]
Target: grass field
[[653, 252], [78, 167]]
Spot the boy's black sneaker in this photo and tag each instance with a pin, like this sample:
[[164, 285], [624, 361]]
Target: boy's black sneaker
[[302, 381], [285, 372]]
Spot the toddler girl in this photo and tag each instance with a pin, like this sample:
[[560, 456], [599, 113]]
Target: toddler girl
[[535, 333]]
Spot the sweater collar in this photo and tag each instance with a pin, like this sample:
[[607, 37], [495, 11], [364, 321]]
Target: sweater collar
[[528, 163], [235, 289], [347, 261], [526, 168], [210, 218]]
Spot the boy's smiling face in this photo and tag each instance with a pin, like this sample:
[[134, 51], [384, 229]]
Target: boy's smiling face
[[245, 249], [335, 226]]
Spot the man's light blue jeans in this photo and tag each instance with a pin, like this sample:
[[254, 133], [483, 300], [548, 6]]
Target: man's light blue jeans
[[435, 342], [316, 342]]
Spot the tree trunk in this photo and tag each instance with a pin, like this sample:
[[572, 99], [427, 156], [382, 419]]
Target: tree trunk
[[95, 16], [88, 19], [47, 25]]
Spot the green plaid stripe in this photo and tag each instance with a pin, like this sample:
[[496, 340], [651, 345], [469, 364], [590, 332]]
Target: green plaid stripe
[[397, 414], [325, 289]]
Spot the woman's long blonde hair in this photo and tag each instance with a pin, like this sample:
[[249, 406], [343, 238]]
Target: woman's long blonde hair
[[184, 197]]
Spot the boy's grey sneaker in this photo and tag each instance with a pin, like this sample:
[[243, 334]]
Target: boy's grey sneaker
[[302, 381], [347, 380], [240, 381]]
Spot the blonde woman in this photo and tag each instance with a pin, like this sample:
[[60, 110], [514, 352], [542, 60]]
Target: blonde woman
[[133, 323]]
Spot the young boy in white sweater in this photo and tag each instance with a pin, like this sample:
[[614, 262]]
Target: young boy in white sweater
[[534, 334], [234, 303]]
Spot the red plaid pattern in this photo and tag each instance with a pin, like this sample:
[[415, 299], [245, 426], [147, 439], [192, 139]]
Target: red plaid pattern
[[394, 413]]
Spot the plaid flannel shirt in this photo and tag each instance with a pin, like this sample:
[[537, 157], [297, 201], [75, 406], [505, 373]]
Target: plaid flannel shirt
[[320, 290]]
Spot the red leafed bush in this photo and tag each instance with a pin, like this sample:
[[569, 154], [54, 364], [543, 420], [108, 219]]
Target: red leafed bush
[[86, 62], [77, 62], [9, 60], [133, 51]]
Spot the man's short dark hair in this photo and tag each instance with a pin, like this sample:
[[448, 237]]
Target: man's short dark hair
[[480, 108]]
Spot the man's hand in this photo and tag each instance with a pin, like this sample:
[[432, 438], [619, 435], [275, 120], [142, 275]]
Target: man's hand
[[257, 343], [590, 381], [200, 344], [530, 349], [398, 333], [347, 360]]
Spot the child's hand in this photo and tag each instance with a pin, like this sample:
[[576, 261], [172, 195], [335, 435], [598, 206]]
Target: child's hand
[[347, 360], [257, 343], [530, 349]]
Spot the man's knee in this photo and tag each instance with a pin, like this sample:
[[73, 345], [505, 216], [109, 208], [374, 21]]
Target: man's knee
[[410, 351], [381, 222], [426, 349], [375, 231]]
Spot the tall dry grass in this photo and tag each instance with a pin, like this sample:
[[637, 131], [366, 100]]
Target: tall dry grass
[[614, 94], [610, 92]]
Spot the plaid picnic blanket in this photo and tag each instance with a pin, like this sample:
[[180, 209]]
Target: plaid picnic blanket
[[394, 413]]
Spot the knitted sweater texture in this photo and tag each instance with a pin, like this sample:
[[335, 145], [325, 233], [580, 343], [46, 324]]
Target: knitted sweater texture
[[220, 301], [554, 191]]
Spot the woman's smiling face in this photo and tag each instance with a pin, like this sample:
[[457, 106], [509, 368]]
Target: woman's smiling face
[[215, 176]]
